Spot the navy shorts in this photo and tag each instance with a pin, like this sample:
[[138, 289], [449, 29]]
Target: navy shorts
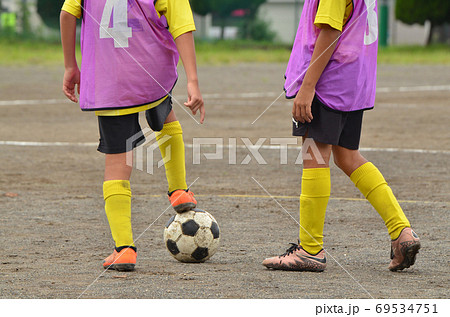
[[121, 134], [331, 126]]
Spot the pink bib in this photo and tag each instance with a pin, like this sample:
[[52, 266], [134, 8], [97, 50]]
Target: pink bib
[[349, 80], [129, 57]]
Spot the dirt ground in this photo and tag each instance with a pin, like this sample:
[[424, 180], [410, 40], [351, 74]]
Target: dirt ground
[[54, 233]]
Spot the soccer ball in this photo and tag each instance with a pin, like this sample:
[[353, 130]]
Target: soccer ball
[[192, 236]]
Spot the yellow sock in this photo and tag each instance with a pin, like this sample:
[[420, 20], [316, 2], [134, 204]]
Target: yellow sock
[[373, 186], [117, 194], [171, 145], [316, 187]]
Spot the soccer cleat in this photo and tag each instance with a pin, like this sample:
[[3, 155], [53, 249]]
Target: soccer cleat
[[182, 200], [124, 260], [297, 259], [404, 250]]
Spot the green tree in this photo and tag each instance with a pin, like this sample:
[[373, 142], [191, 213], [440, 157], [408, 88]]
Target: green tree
[[201, 7], [25, 18], [222, 10], [419, 11], [49, 11], [251, 21], [1, 10]]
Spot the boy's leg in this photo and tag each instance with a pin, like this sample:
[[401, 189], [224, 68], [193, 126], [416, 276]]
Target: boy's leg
[[117, 195], [171, 145], [114, 133], [318, 135], [316, 187], [309, 256], [369, 180]]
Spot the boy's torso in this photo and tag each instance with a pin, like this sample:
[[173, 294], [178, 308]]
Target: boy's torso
[[348, 81], [99, 27]]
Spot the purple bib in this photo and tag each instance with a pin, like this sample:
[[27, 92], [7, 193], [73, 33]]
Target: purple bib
[[129, 56], [349, 80]]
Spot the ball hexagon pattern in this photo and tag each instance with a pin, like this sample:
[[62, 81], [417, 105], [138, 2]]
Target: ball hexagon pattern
[[192, 236]]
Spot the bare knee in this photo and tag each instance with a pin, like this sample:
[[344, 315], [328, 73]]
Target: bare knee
[[118, 166], [171, 117], [341, 161], [347, 160]]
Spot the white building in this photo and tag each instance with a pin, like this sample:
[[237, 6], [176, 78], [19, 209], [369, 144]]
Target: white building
[[401, 33], [283, 17]]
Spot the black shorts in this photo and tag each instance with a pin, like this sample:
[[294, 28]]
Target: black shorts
[[121, 134], [331, 126]]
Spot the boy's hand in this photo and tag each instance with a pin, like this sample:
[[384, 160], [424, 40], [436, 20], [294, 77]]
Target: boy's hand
[[301, 111], [195, 100], [186, 48], [71, 78]]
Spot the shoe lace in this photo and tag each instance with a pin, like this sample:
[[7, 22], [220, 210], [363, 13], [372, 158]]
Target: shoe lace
[[294, 247], [188, 191]]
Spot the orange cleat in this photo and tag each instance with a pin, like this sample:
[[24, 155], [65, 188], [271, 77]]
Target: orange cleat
[[182, 200], [122, 259]]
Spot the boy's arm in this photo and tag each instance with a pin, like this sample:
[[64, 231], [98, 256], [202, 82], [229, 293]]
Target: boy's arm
[[324, 48], [68, 39], [186, 48]]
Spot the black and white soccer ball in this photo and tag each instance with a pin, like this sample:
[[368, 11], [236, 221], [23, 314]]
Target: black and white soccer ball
[[192, 236]]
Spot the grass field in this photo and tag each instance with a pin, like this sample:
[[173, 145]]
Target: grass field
[[29, 52]]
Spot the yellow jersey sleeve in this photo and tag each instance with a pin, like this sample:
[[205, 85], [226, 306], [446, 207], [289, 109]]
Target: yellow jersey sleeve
[[73, 7], [178, 14], [334, 13]]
